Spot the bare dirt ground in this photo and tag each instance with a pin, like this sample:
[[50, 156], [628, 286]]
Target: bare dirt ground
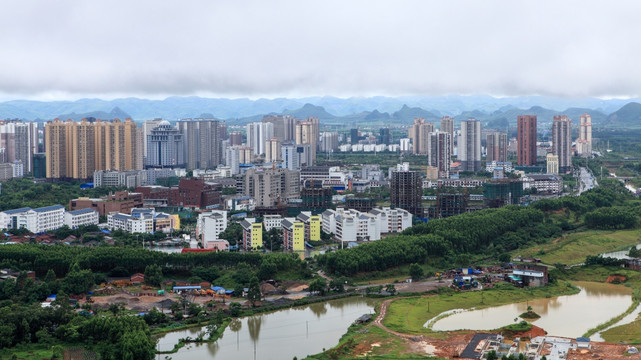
[[421, 286]]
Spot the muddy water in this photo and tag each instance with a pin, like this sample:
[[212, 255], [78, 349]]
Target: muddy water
[[278, 335], [569, 316]]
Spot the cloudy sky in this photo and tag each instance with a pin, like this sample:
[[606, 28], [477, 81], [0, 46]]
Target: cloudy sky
[[109, 49]]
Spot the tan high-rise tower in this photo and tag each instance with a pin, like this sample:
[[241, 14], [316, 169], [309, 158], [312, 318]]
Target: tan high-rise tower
[[307, 132], [419, 132], [77, 149]]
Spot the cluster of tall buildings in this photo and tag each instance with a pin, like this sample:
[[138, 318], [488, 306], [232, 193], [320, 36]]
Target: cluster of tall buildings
[[77, 149], [282, 137], [562, 152]]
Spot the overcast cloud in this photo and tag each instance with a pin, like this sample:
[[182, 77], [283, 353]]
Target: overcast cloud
[[73, 49]]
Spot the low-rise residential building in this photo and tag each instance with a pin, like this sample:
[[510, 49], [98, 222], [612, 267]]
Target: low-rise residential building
[[312, 225], [82, 217], [352, 225], [209, 227], [293, 235], [505, 165], [543, 183], [143, 221], [272, 221], [37, 221], [392, 220], [252, 234], [48, 218]]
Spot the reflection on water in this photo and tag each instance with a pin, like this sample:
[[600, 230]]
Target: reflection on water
[[278, 335], [569, 316]]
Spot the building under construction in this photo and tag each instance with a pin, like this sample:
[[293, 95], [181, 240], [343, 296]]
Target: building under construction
[[449, 204], [315, 197], [360, 204], [501, 192], [406, 191]]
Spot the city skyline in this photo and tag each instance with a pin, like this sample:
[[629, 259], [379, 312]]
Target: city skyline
[[139, 49]]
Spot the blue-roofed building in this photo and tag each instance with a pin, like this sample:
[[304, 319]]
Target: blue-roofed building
[[82, 217], [37, 221]]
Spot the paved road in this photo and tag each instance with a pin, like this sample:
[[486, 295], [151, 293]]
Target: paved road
[[586, 180]]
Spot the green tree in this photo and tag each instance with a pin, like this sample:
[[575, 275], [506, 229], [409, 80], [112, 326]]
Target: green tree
[[233, 233], [318, 286], [416, 271], [337, 285], [390, 288], [253, 294], [235, 309], [153, 275], [267, 270], [492, 355], [78, 281]]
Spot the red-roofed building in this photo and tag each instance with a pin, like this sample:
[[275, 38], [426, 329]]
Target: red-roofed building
[[185, 250]]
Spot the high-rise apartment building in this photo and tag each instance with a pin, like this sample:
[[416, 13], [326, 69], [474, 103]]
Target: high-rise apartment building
[[526, 138], [562, 141], [440, 148], [296, 156], [419, 134], [165, 147], [447, 125], [272, 150], [284, 126], [406, 191], [257, 134], [19, 141], [202, 143], [584, 143], [77, 149], [354, 136], [383, 136], [496, 144], [329, 142], [269, 187], [235, 138], [308, 132], [469, 145]]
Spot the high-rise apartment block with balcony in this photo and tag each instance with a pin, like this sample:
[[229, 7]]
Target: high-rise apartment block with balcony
[[496, 145], [469, 145], [202, 143], [77, 149], [584, 142], [526, 138], [562, 141], [419, 133]]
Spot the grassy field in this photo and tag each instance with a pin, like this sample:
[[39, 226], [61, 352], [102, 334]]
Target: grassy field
[[409, 315], [35, 354], [573, 248], [369, 342]]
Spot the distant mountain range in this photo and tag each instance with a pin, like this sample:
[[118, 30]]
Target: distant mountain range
[[493, 112]]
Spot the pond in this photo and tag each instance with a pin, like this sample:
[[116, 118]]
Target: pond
[[568, 316], [281, 334]]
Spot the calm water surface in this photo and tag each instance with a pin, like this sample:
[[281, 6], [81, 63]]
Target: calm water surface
[[569, 316], [279, 335]]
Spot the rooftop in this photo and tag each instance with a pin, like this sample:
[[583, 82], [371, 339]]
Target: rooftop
[[49, 208]]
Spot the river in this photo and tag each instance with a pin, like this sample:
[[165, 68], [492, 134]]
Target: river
[[568, 316], [282, 334]]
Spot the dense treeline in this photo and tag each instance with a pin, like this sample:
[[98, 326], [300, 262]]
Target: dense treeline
[[610, 219], [489, 232], [60, 258], [472, 232], [17, 193]]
